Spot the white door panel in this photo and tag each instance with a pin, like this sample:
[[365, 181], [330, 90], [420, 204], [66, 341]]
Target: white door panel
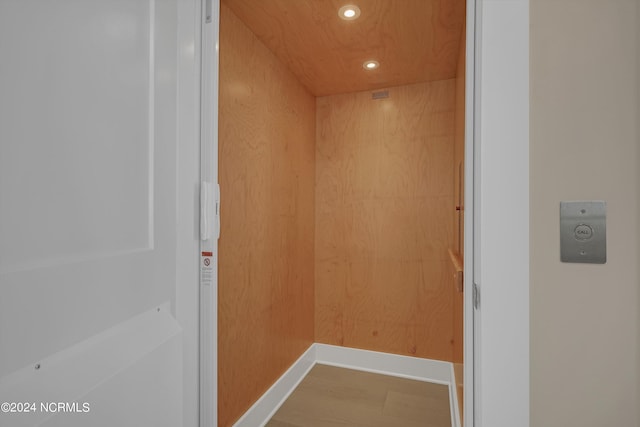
[[75, 131], [88, 95], [128, 375]]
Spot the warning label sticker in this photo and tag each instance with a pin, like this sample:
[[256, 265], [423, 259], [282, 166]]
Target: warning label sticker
[[206, 269]]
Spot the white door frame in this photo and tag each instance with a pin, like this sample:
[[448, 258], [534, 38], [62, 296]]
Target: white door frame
[[500, 223], [209, 213], [187, 238], [470, 193]]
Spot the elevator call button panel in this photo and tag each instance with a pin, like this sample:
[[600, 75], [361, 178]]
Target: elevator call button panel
[[583, 232]]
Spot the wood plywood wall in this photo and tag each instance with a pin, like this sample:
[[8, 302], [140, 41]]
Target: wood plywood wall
[[384, 194], [266, 137]]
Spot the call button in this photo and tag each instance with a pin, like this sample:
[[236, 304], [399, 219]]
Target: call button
[[583, 232]]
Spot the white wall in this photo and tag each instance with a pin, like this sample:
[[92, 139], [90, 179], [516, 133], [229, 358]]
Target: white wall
[[585, 145]]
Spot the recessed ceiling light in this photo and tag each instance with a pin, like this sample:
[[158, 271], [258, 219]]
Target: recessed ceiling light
[[349, 12], [370, 65]]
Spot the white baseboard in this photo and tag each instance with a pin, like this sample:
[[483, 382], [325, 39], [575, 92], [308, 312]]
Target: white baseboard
[[414, 368], [262, 411]]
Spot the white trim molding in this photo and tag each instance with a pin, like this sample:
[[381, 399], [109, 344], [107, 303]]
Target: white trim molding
[[413, 368], [501, 215], [209, 19], [434, 371], [264, 408]]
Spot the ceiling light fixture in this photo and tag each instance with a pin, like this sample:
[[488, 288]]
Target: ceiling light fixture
[[349, 12], [370, 65]]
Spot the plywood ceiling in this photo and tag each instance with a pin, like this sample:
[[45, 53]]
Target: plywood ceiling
[[413, 40]]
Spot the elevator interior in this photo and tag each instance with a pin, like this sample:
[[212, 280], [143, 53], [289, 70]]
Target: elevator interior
[[343, 216]]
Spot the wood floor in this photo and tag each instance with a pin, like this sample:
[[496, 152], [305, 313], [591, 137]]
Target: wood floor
[[330, 396]]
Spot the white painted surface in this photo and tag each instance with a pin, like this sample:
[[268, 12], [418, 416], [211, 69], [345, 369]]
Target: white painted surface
[[88, 371], [585, 145], [88, 190], [61, 100], [210, 217], [502, 262], [187, 241], [83, 138], [125, 401]]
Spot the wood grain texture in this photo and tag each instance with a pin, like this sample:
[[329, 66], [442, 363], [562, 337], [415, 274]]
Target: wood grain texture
[[329, 396], [414, 40], [266, 157], [384, 190]]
